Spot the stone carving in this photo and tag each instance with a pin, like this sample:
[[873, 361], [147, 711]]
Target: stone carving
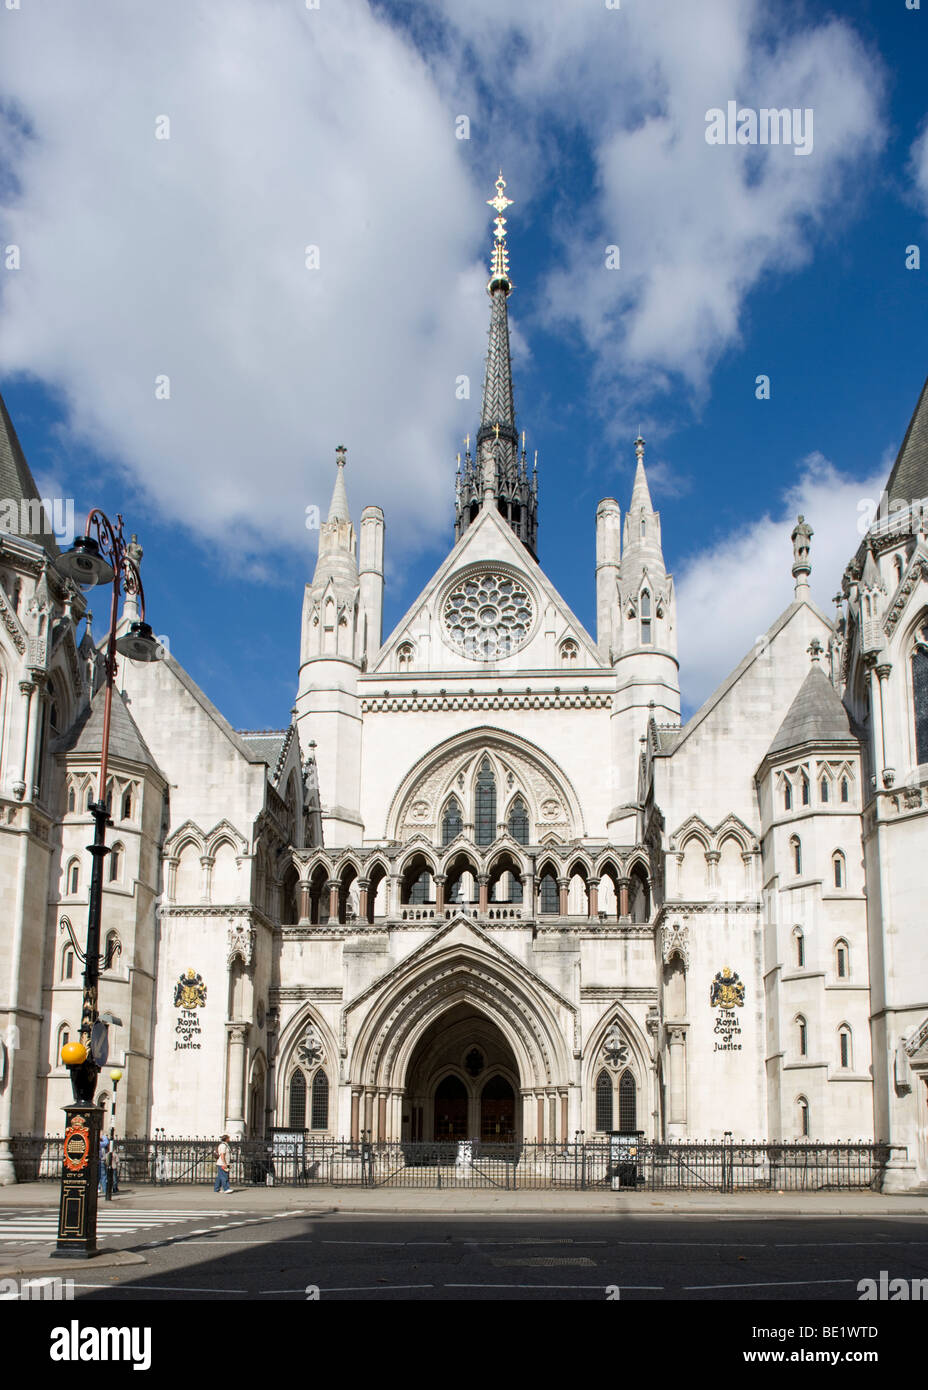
[[241, 943], [615, 1049], [487, 616], [675, 941], [311, 1050]]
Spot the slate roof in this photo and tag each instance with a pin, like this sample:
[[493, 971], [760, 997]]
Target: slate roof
[[815, 716], [909, 477], [86, 733], [270, 745], [16, 481]]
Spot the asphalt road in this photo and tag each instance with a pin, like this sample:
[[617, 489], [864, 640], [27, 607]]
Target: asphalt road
[[358, 1257]]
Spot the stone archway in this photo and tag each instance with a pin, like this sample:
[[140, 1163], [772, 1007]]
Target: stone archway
[[462, 1081]]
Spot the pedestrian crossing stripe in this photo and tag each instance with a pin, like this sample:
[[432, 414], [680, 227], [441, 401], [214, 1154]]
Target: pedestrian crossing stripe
[[25, 1229]]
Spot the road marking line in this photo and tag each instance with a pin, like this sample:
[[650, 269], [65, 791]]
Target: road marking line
[[773, 1284], [349, 1288]]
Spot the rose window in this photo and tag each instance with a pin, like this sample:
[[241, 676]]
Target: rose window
[[488, 616]]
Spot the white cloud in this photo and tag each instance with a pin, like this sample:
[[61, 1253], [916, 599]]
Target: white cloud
[[729, 593], [919, 167], [291, 126], [185, 256]]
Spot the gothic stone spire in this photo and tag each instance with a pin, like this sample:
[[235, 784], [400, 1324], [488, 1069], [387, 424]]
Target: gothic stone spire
[[497, 474]]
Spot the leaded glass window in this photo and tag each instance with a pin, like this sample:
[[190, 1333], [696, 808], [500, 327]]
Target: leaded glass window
[[628, 1103], [320, 1105], [548, 896], [645, 615], [298, 1101], [518, 821], [487, 616], [419, 890], [603, 1103], [452, 822], [485, 805], [920, 696]]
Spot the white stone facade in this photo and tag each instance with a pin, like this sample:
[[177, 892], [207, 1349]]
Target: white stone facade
[[487, 884]]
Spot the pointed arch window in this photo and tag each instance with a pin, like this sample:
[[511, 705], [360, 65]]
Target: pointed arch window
[[64, 1037], [116, 857], [74, 878], [823, 787], [452, 821], [297, 1099], [404, 656], [67, 964], [645, 614], [127, 804], [845, 789], [72, 800], [548, 896], [800, 940], [518, 821], [787, 794], [485, 805], [319, 1114], [920, 695], [844, 1046], [603, 1103], [805, 790], [842, 960], [839, 869], [796, 851], [802, 1036], [802, 1106], [628, 1103]]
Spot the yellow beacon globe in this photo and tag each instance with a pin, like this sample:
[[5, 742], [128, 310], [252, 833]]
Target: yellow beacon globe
[[73, 1053]]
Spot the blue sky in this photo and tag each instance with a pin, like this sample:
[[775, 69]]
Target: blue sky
[[337, 127]]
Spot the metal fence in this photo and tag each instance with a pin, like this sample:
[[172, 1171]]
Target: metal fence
[[713, 1167]]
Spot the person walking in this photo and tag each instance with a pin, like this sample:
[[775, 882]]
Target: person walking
[[104, 1145], [222, 1165]]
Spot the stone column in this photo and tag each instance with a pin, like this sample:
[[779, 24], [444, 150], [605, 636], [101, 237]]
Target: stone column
[[355, 1115], [563, 1135], [528, 894], [676, 1038], [712, 868], [363, 887], [624, 884], [552, 1113], [528, 1118], [382, 1115], [27, 761], [206, 881], [594, 898], [304, 901], [439, 880], [482, 893], [888, 776], [394, 893], [541, 1119], [235, 1121], [333, 887], [563, 884], [369, 1111]]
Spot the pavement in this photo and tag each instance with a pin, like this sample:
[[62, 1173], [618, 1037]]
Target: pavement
[[423, 1202]]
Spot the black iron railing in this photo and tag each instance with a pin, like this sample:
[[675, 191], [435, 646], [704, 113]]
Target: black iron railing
[[683, 1166]]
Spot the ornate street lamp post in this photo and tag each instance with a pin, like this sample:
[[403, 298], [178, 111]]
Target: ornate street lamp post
[[100, 556]]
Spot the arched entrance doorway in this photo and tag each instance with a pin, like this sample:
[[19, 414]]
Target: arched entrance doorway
[[497, 1111], [462, 1081]]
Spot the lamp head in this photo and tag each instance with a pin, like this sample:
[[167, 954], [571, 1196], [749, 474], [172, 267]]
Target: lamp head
[[139, 643], [84, 564], [116, 1075]]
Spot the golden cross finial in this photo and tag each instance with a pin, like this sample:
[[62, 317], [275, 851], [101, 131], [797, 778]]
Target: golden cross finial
[[467, 443], [501, 203], [496, 429]]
